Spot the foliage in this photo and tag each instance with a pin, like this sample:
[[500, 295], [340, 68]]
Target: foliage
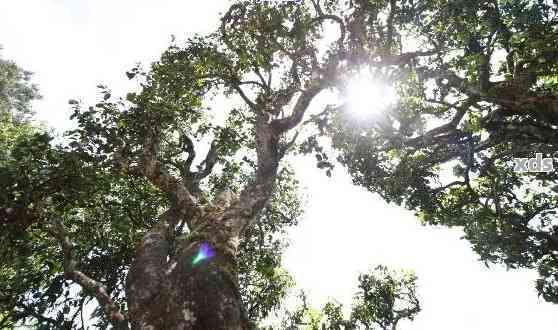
[[16, 93], [385, 297]]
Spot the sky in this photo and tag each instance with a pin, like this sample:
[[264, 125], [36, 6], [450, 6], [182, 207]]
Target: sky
[[73, 45]]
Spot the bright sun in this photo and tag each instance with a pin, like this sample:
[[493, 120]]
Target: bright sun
[[367, 96]]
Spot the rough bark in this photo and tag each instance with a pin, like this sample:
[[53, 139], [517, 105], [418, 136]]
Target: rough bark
[[185, 291]]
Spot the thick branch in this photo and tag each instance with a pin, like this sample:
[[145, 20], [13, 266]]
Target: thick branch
[[543, 107], [191, 180], [513, 97], [526, 131], [285, 124], [188, 147], [405, 58], [255, 195]]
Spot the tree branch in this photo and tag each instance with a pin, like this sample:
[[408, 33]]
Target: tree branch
[[110, 308], [236, 86], [188, 147], [284, 124], [461, 111], [154, 170]]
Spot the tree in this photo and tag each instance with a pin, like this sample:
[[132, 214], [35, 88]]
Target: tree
[[107, 215], [385, 297], [71, 204], [16, 91], [303, 316], [16, 94], [111, 219], [106, 220], [478, 95]]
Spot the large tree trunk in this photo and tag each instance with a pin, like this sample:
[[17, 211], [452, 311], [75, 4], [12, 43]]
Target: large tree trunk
[[169, 286], [196, 288]]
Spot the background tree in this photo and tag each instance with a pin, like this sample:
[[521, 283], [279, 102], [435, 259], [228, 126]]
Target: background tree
[[16, 94], [303, 316], [385, 297], [16, 91]]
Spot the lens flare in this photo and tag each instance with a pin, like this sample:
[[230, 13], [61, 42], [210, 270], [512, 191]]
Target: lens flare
[[205, 252]]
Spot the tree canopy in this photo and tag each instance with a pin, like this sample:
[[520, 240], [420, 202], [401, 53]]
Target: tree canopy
[[482, 93]]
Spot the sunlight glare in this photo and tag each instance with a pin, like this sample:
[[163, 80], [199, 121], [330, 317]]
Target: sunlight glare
[[368, 96]]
